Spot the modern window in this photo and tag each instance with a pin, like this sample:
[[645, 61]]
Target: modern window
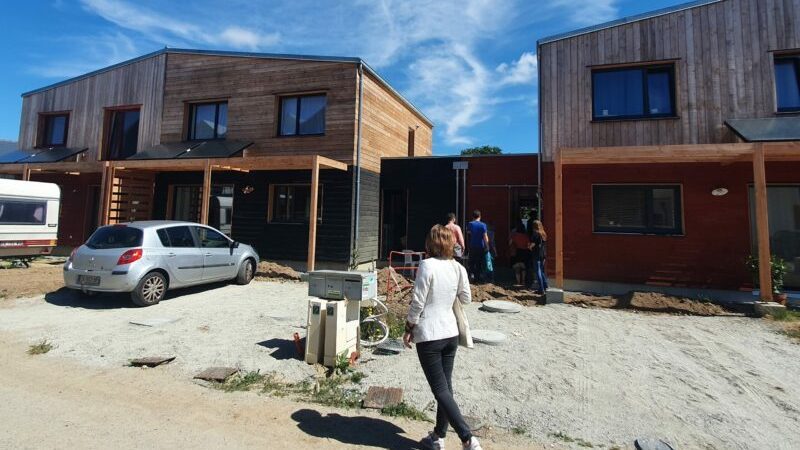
[[180, 237], [302, 115], [208, 121], [123, 133], [22, 212], [53, 130], [186, 200], [637, 209], [633, 93], [291, 203], [211, 239], [787, 83]]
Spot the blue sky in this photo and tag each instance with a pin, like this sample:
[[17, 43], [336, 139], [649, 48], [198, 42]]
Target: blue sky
[[469, 65]]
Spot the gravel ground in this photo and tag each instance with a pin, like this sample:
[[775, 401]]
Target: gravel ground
[[603, 376]]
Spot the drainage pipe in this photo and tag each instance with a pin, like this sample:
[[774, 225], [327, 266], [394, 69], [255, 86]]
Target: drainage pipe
[[541, 139], [357, 196]]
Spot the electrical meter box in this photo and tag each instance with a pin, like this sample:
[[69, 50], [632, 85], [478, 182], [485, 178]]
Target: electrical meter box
[[339, 284], [341, 330], [315, 331]]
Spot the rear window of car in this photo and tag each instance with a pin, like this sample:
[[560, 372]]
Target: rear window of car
[[115, 236]]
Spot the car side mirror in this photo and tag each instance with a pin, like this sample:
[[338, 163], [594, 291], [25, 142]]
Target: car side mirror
[[234, 245]]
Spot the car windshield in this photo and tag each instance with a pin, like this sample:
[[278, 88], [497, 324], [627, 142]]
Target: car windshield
[[115, 236]]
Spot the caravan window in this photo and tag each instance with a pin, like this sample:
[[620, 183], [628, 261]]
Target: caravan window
[[22, 212]]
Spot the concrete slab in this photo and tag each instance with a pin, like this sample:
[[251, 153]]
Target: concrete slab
[[218, 374], [154, 321], [488, 337], [390, 347], [380, 397], [501, 306], [554, 295], [651, 444]]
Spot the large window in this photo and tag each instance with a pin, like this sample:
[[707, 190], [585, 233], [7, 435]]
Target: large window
[[208, 121], [53, 130], [637, 209], [303, 115], [22, 212], [633, 93], [291, 203], [787, 83], [123, 133]]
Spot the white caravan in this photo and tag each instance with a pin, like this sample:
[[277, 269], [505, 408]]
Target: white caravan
[[28, 218]]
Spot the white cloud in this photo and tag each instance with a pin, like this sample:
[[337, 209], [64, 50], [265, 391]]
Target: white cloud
[[243, 38], [521, 71], [588, 12], [97, 52]]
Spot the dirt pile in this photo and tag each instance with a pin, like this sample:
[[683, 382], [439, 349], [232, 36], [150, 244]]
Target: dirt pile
[[400, 285], [274, 271], [489, 291], [649, 302]]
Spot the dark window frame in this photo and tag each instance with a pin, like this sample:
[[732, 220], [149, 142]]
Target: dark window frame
[[191, 131], [39, 203], [273, 192], [645, 70], [648, 229], [297, 114], [109, 132], [42, 133], [782, 59]]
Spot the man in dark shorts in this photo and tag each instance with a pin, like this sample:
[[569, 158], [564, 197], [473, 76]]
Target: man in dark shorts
[[478, 246]]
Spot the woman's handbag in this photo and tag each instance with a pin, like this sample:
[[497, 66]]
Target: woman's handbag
[[464, 333]]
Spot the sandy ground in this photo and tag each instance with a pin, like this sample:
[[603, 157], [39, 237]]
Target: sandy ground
[[601, 375], [52, 403], [44, 275]]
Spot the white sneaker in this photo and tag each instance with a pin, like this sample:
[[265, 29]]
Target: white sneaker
[[473, 444], [433, 442]]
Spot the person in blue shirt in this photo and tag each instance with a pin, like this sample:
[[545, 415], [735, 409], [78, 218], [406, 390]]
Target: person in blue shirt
[[478, 246]]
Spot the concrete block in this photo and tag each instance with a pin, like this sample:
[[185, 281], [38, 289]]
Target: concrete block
[[554, 295]]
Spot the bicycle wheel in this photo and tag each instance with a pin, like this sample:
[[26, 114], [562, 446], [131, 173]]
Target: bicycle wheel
[[373, 332]]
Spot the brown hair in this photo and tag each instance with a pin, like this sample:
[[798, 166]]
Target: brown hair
[[539, 228], [440, 242]]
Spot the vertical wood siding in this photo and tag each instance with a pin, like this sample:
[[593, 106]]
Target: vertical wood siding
[[723, 70], [139, 83]]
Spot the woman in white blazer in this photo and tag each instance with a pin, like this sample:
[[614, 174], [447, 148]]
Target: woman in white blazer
[[431, 324]]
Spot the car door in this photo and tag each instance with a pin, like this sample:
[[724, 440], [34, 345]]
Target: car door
[[218, 261], [184, 257]]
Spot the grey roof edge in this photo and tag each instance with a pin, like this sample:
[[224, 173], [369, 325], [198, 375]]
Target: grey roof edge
[[501, 155], [285, 56], [626, 20], [732, 125]]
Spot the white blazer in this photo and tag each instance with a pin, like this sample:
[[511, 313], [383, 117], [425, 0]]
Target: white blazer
[[438, 284]]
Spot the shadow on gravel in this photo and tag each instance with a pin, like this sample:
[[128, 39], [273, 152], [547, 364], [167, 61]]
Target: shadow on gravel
[[284, 348], [366, 431], [75, 299]]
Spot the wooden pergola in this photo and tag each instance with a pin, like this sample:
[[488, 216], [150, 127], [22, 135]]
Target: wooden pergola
[[755, 153], [110, 169]]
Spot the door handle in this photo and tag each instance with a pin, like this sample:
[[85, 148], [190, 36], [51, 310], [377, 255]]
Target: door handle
[[171, 255], [208, 254]]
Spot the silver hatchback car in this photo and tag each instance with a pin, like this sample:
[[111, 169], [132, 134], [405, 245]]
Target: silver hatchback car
[[147, 258]]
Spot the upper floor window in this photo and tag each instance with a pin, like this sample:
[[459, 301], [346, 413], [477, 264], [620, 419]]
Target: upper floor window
[[208, 121], [123, 133], [53, 131], [302, 115], [787, 83], [645, 209], [633, 93]]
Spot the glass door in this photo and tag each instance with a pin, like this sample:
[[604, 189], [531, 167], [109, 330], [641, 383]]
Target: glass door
[[784, 228]]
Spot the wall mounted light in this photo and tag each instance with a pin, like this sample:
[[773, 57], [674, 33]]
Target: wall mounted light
[[719, 192], [248, 189]]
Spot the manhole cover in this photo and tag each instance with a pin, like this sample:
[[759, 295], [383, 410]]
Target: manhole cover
[[390, 347], [488, 337], [501, 306]]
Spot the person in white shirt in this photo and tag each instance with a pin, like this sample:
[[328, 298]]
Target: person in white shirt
[[431, 324]]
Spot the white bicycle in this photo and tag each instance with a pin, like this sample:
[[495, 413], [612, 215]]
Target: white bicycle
[[374, 330]]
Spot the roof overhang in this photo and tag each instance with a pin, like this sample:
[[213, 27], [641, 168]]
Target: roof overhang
[[693, 153], [767, 129]]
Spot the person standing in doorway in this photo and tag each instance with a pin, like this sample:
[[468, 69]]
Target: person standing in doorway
[[519, 245], [478, 246], [539, 248], [458, 236], [432, 325]]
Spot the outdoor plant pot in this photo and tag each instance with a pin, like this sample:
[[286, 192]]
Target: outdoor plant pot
[[767, 308]]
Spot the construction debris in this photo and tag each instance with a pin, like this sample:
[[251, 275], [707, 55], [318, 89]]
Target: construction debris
[[218, 374], [151, 361]]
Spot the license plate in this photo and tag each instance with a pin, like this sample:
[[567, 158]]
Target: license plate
[[88, 280]]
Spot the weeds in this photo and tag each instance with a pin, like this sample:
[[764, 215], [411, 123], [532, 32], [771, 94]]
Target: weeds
[[785, 315], [356, 377], [518, 430], [567, 438], [41, 348], [331, 392], [403, 409], [241, 382]]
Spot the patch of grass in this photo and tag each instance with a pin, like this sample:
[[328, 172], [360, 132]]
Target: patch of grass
[[242, 382], [356, 377], [786, 315], [397, 325], [518, 430], [403, 409], [567, 438], [332, 392], [41, 348]]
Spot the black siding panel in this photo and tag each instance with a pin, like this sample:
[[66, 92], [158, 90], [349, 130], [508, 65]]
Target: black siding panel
[[368, 235]]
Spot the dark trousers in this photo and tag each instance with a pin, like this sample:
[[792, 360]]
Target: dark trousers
[[437, 359], [477, 263], [541, 275]]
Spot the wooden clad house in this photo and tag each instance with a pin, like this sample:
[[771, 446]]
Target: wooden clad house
[[246, 142], [669, 145]]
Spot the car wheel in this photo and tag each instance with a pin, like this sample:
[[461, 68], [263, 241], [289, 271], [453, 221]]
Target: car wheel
[[150, 290], [246, 272]]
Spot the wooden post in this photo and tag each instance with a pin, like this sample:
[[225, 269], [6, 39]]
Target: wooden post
[[206, 193], [762, 223], [26, 173], [312, 216], [559, 225], [101, 213]]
